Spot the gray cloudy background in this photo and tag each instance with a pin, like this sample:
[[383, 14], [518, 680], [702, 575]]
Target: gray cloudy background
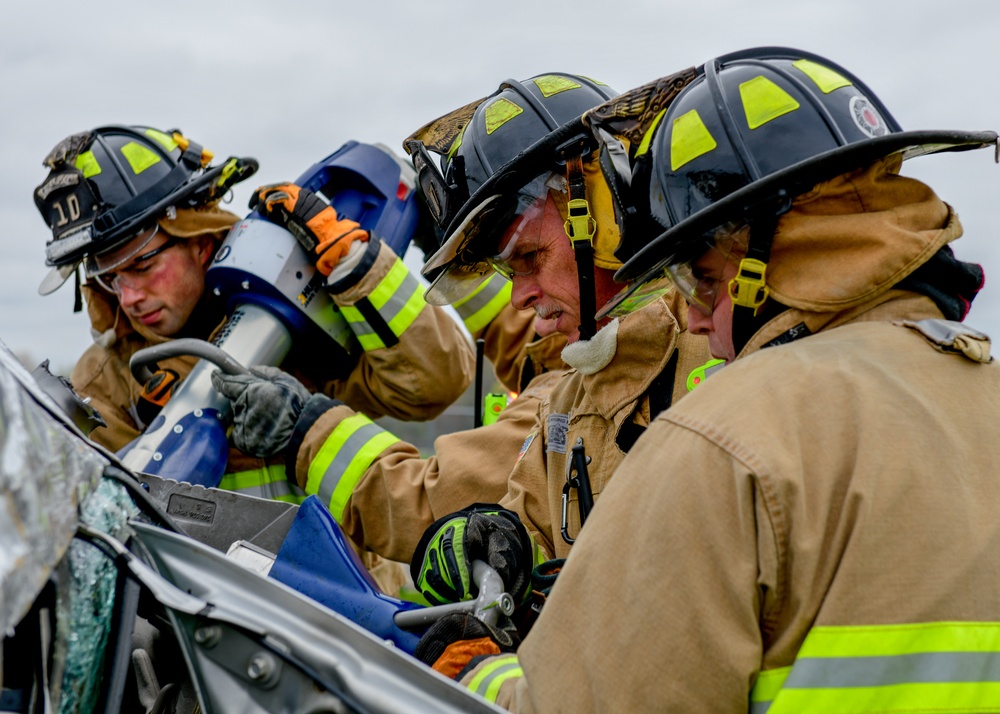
[[288, 83]]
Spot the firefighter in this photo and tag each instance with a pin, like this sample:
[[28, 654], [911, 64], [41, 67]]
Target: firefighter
[[815, 527], [378, 487], [545, 220], [138, 210]]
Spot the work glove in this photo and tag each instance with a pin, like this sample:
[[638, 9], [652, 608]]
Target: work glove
[[266, 404], [442, 563], [452, 643], [312, 221]]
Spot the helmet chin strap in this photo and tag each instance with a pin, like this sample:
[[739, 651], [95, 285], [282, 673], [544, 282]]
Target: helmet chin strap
[[580, 226], [748, 290]]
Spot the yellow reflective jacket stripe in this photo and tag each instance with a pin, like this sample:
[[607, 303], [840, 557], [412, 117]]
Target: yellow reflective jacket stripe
[[479, 308], [941, 666], [267, 482], [343, 458], [398, 298], [493, 674]]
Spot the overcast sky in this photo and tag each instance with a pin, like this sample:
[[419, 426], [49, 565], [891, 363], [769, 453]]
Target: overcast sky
[[289, 83]]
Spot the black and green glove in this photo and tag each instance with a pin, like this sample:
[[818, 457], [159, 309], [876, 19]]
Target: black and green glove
[[442, 563]]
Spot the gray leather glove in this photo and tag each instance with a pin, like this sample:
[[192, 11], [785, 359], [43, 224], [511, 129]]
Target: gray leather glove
[[266, 404]]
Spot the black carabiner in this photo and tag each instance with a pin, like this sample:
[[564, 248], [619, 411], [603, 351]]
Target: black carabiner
[[581, 482]]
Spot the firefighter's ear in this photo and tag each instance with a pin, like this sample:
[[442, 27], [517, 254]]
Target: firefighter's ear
[[204, 247]]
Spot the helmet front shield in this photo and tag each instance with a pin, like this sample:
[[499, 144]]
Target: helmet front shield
[[509, 194]]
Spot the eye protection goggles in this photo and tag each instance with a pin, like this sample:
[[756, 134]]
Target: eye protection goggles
[[504, 234], [110, 274], [480, 224]]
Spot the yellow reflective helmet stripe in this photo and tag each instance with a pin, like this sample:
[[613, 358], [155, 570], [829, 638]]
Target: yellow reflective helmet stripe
[[139, 157], [164, 140], [689, 139], [825, 78], [88, 164], [483, 304], [946, 666], [499, 113], [456, 144], [550, 84], [398, 298], [342, 460], [647, 138], [267, 482], [494, 674], [763, 101]]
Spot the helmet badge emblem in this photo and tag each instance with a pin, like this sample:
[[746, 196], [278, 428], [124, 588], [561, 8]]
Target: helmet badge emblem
[[867, 118]]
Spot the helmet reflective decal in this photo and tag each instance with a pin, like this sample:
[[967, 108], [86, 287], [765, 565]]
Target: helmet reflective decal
[[826, 79], [689, 140], [499, 113], [763, 100], [139, 157], [867, 119], [550, 84], [648, 136], [165, 140], [88, 164]]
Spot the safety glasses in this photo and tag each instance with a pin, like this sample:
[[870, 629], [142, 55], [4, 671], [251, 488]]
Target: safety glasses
[[699, 291], [512, 222], [140, 268], [523, 240]]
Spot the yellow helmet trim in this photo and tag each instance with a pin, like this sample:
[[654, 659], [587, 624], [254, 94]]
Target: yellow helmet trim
[[456, 144], [139, 157], [499, 113], [689, 140], [550, 84], [164, 140], [825, 78], [87, 163], [763, 101], [647, 138]]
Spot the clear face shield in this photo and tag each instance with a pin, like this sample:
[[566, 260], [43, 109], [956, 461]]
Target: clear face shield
[[504, 234], [697, 275], [701, 279]]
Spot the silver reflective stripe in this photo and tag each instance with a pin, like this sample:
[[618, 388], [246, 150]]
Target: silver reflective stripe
[[485, 303], [408, 289], [898, 669], [362, 328], [345, 455], [929, 667], [488, 681]]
